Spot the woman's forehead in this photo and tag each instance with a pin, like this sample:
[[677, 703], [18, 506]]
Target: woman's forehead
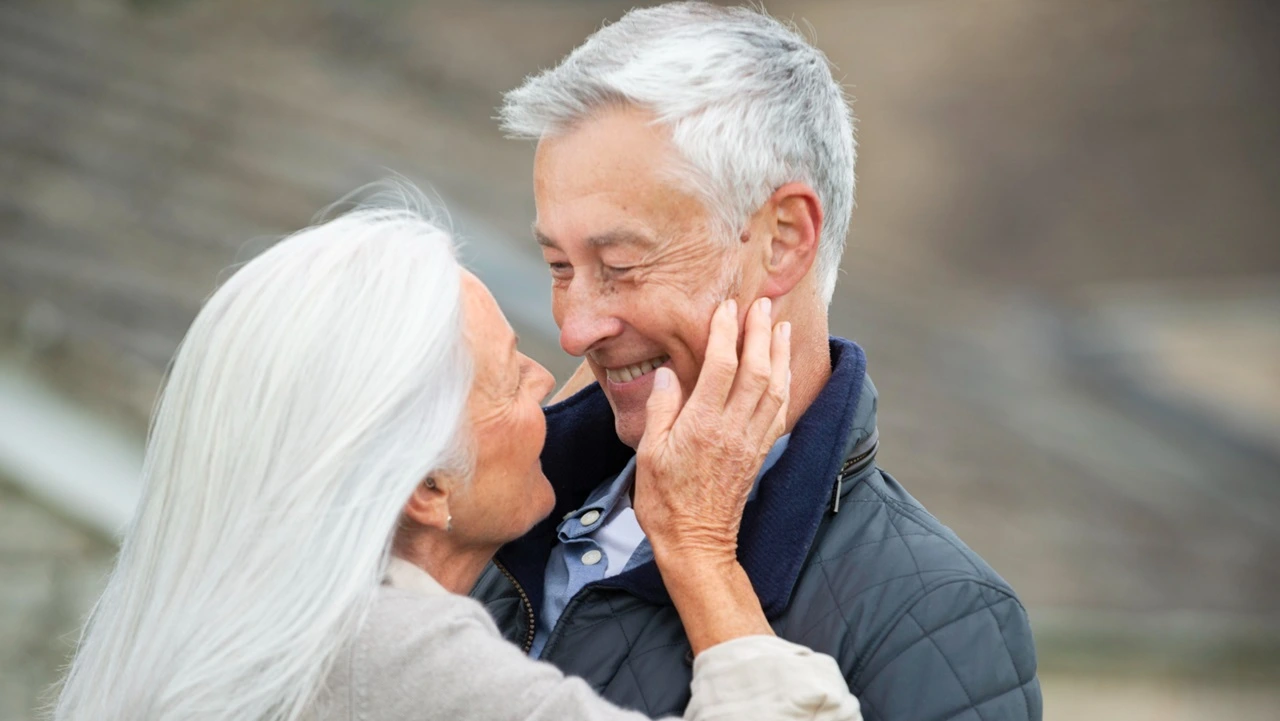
[[486, 329]]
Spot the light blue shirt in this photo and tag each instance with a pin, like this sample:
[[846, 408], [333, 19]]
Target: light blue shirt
[[602, 539]]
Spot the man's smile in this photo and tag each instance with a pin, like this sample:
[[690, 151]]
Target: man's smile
[[634, 371]]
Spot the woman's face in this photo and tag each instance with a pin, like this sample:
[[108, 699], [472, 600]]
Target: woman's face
[[508, 493]]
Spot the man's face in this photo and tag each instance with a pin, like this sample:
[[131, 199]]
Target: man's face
[[635, 273]]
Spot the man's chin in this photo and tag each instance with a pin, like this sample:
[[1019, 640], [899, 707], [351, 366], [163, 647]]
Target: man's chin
[[628, 415], [630, 428]]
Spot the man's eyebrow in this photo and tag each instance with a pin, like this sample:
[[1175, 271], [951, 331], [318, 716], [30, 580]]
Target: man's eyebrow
[[544, 240], [611, 237], [620, 237]]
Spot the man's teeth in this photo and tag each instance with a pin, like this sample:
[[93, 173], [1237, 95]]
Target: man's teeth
[[630, 373]]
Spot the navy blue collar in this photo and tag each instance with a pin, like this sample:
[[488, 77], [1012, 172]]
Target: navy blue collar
[[778, 528]]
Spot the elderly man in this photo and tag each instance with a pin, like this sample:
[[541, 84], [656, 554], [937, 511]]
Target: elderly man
[[687, 154]]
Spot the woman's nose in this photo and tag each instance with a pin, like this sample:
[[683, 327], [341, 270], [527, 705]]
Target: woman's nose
[[546, 382]]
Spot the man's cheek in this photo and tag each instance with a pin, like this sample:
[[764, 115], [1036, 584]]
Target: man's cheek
[[688, 376]]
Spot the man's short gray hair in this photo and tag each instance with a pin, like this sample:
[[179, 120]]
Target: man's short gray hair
[[750, 104]]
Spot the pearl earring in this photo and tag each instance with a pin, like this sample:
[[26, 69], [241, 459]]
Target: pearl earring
[[448, 524]]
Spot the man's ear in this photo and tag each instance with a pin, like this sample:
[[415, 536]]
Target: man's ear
[[429, 504], [792, 220]]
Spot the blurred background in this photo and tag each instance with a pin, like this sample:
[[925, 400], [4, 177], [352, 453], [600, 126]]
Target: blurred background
[[1064, 267]]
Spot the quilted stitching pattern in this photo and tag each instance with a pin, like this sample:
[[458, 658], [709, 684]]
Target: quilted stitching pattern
[[957, 643]]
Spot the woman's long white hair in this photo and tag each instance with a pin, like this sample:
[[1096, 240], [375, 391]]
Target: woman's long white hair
[[313, 392]]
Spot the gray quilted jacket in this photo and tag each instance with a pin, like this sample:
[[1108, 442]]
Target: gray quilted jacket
[[844, 560]]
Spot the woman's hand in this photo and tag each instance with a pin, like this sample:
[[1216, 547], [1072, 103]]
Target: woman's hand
[[695, 467], [698, 460]]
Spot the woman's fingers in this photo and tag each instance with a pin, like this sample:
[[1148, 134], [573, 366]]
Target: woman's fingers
[[754, 367], [771, 414], [697, 460], [661, 409], [721, 361]]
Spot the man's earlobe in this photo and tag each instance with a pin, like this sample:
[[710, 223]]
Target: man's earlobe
[[796, 228]]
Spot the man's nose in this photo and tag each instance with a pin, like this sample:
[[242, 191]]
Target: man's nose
[[584, 322]]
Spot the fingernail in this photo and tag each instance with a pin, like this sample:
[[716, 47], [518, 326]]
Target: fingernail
[[662, 378], [733, 307], [766, 305], [786, 329]]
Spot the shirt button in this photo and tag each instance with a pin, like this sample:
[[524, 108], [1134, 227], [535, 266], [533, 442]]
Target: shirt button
[[592, 557], [590, 517]]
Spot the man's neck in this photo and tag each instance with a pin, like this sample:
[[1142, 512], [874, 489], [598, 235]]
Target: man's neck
[[810, 363]]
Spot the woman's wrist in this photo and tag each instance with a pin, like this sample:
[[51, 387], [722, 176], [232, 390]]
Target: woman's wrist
[[693, 546], [714, 597]]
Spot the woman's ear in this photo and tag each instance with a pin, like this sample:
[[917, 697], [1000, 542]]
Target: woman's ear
[[792, 218], [429, 504]]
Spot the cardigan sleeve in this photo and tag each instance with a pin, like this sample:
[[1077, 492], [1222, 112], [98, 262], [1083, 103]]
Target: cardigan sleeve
[[765, 677]]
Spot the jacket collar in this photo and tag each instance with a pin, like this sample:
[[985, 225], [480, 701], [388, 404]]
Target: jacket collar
[[778, 528]]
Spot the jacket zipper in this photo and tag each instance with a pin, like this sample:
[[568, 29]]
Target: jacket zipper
[[568, 609], [528, 607], [846, 470]]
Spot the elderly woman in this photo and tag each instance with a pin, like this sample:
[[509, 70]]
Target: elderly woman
[[346, 436]]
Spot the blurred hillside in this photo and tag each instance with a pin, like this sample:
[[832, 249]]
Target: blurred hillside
[[1065, 266]]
